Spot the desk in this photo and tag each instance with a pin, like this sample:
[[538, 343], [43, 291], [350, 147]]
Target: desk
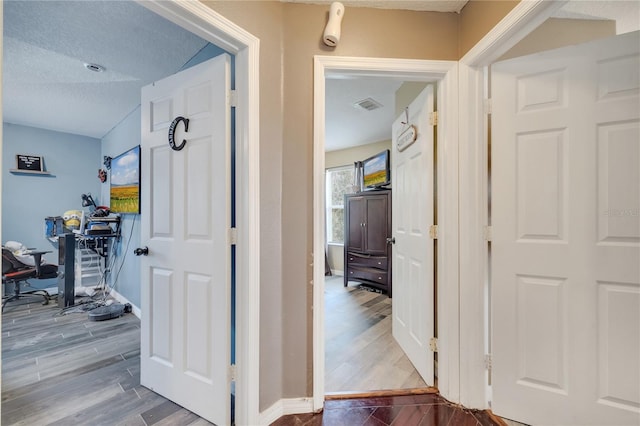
[[67, 260]]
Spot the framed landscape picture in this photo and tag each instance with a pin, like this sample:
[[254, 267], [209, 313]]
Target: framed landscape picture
[[125, 182]]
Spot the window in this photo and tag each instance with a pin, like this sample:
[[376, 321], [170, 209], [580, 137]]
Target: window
[[339, 181]]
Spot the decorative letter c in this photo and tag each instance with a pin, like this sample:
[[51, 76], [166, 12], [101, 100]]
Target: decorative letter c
[[172, 130]]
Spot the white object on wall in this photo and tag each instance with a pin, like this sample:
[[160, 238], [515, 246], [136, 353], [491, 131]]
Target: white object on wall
[[331, 35]]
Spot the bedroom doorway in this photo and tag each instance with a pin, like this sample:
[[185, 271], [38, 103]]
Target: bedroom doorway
[[375, 342], [405, 70]]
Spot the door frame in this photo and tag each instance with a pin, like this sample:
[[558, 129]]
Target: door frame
[[206, 23], [462, 375], [446, 74], [475, 323]]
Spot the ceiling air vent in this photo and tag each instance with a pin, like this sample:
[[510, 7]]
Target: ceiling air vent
[[368, 104]]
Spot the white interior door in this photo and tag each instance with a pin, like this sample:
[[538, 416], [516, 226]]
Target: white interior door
[[412, 196], [185, 343], [566, 235]]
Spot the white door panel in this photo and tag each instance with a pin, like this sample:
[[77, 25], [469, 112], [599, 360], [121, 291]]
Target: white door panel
[[413, 186], [185, 347], [566, 235]]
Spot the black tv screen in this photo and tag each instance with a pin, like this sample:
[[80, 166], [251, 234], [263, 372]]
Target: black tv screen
[[376, 171]]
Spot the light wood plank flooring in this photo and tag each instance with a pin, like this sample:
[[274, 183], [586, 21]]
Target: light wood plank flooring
[[360, 352], [67, 370]]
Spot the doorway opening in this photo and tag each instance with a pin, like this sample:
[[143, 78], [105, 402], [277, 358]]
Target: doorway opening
[[362, 354], [209, 25], [403, 70], [203, 21]]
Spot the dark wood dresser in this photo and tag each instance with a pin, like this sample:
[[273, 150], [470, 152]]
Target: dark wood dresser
[[367, 254]]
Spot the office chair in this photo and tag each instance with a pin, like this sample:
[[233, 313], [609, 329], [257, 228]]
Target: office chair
[[15, 272]]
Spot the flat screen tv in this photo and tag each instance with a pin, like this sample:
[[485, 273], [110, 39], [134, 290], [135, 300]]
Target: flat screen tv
[[375, 171], [125, 182]]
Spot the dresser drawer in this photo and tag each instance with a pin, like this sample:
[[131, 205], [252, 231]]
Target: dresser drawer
[[368, 274], [369, 261]]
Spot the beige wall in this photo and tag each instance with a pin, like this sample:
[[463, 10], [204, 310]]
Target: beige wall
[[344, 157], [406, 94], [555, 33], [478, 17], [263, 20], [290, 36]]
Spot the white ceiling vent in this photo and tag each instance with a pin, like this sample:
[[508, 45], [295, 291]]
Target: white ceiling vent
[[368, 104]]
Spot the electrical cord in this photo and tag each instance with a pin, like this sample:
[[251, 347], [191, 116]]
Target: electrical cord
[[113, 258], [103, 288], [126, 252]]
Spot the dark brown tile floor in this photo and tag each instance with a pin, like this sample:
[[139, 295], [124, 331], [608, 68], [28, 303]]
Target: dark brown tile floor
[[404, 410]]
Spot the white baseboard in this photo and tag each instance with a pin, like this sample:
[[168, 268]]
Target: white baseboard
[[336, 272], [285, 407], [120, 298]]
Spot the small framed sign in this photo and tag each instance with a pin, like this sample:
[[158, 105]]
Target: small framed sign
[[29, 163]]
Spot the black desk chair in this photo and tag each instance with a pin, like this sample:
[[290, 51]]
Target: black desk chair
[[15, 272]]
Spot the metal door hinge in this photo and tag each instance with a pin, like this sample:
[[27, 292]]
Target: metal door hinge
[[488, 366], [488, 106], [433, 232], [232, 372], [433, 118], [487, 362], [433, 344], [233, 98], [487, 233], [233, 236]]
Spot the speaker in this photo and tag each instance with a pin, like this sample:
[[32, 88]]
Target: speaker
[[66, 270]]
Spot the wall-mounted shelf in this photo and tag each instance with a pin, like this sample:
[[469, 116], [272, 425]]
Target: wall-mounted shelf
[[29, 172]]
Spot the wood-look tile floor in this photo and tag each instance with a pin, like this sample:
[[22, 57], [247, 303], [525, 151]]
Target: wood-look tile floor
[[360, 351], [68, 370], [405, 410]]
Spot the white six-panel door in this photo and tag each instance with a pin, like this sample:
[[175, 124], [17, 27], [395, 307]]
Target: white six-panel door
[[185, 336], [412, 197], [566, 235]]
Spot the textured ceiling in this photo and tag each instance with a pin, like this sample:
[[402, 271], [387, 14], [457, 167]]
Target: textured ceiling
[[625, 13], [46, 44], [347, 125]]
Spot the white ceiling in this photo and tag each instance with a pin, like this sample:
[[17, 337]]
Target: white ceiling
[[347, 126], [626, 13], [46, 44]]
